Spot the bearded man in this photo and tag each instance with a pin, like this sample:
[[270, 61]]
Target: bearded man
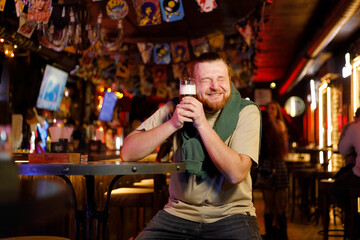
[[212, 199]]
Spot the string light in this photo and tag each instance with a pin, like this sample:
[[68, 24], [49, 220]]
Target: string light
[[7, 48]]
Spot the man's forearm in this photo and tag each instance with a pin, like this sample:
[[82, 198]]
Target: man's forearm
[[141, 143]]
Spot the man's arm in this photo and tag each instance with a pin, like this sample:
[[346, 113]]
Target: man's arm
[[138, 144], [345, 144]]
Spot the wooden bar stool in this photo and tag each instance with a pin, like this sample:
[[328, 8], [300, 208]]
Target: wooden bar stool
[[130, 203], [325, 202], [303, 188]]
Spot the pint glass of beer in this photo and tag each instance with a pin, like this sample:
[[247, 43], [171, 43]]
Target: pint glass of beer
[[187, 87]]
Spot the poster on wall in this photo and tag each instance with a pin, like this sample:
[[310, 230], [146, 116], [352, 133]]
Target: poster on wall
[[147, 12], [162, 53], [39, 10], [172, 10], [199, 46], [180, 52]]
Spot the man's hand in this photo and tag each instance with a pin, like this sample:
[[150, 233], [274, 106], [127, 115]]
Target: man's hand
[[191, 110]]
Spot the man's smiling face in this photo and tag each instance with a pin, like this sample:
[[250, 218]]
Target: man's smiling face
[[212, 84]]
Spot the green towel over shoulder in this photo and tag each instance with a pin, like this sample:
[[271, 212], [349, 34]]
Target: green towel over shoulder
[[194, 154]]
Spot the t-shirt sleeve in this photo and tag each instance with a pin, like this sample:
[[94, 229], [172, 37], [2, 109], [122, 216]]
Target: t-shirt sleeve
[[246, 137], [162, 115]]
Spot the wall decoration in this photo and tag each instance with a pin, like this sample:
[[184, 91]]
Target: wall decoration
[[180, 52], [162, 53], [245, 29], [27, 28], [19, 5], [172, 10], [199, 46], [148, 12], [145, 50], [117, 9], [216, 41], [39, 10], [206, 5], [2, 5]]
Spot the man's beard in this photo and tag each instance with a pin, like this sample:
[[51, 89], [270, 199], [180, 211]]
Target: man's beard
[[211, 107]]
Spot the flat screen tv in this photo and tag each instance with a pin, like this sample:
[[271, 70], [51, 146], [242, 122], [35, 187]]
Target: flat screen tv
[[52, 88]]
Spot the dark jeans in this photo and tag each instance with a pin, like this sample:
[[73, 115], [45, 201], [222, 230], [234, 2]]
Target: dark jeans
[[167, 226]]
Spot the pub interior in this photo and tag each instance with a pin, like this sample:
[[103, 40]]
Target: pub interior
[[78, 76]]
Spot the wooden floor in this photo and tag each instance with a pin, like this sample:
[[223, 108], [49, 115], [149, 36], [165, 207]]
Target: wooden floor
[[299, 228]]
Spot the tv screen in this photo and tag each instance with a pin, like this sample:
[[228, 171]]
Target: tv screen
[[107, 109], [52, 88]]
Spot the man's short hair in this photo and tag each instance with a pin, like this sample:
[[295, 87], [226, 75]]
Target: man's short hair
[[209, 57]]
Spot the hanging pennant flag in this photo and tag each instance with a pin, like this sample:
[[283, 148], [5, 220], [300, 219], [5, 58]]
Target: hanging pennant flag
[[206, 5], [162, 53], [199, 46], [160, 84], [148, 12], [180, 52], [145, 50], [117, 9], [245, 29], [216, 41], [146, 85], [179, 70], [39, 10], [172, 10], [2, 5]]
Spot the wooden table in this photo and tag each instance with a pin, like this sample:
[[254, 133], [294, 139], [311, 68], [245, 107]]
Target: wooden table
[[89, 170]]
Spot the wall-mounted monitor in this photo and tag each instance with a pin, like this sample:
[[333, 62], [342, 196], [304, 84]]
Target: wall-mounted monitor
[[52, 88]]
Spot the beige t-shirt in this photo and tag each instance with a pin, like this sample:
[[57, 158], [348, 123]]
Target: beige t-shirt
[[213, 198]]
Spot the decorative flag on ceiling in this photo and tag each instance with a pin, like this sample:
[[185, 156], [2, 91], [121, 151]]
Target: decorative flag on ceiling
[[216, 41], [148, 12], [39, 10], [2, 5], [179, 70], [145, 50], [162, 53], [245, 29], [206, 5], [117, 9], [199, 46], [172, 10], [180, 52], [160, 84]]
